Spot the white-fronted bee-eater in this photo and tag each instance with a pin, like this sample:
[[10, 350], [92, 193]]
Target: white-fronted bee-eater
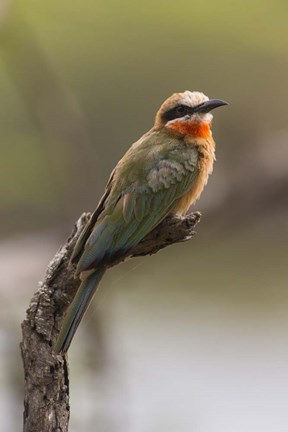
[[163, 173]]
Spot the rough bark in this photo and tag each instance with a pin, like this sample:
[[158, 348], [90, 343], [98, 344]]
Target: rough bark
[[46, 400]]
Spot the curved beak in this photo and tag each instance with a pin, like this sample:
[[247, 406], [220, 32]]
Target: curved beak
[[209, 105]]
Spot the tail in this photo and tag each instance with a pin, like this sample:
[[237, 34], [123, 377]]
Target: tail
[[76, 310]]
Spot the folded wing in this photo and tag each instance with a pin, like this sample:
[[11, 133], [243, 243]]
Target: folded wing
[[134, 203]]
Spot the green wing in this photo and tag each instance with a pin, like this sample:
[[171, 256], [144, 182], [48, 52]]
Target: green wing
[[143, 190]]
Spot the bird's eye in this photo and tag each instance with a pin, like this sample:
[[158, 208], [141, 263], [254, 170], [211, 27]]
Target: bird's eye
[[181, 110], [176, 112]]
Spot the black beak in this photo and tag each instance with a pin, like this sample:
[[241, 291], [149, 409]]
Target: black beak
[[209, 105]]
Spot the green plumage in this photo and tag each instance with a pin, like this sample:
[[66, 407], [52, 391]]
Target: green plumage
[[143, 188]]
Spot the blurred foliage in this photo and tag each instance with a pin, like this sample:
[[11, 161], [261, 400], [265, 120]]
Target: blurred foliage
[[80, 81]]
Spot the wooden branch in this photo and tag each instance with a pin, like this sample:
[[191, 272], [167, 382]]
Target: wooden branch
[[46, 399]]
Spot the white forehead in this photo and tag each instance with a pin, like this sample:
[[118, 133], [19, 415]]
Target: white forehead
[[192, 98]]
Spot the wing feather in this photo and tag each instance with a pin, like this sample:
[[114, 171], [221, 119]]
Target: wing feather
[[137, 209]]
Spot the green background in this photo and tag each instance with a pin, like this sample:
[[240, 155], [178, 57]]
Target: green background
[[194, 338]]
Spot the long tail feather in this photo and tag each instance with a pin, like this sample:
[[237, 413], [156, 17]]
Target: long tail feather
[[76, 310]]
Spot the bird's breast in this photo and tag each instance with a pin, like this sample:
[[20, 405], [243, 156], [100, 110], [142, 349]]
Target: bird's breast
[[206, 151]]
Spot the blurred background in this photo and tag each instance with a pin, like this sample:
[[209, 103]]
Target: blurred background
[[194, 338]]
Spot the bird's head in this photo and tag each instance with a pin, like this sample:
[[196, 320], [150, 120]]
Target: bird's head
[[187, 114]]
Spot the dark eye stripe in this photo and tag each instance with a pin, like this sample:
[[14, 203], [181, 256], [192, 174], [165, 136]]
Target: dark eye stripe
[[177, 112]]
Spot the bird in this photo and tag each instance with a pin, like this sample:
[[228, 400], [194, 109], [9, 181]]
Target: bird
[[161, 174]]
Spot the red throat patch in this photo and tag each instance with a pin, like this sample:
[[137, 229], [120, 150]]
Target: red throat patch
[[195, 129]]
